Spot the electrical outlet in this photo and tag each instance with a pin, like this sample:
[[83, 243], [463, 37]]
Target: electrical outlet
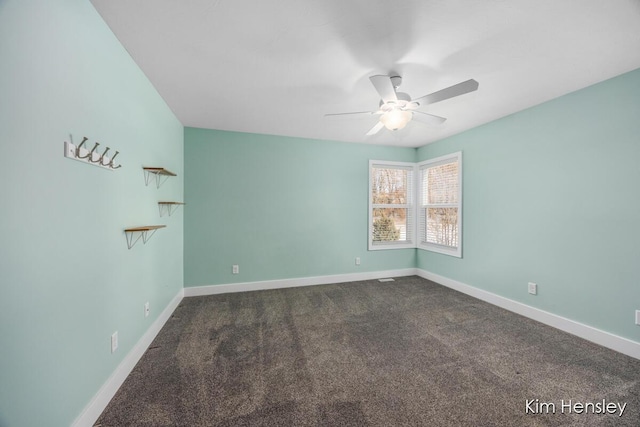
[[533, 288], [637, 317], [235, 269], [114, 342], [357, 260], [146, 309]]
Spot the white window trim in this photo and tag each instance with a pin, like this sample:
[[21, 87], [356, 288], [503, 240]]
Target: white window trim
[[410, 206], [415, 206], [432, 247]]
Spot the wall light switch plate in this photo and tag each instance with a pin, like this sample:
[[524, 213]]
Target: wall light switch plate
[[533, 288], [637, 317], [235, 269], [357, 260]]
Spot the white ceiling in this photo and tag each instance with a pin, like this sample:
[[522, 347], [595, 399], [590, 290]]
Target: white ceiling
[[277, 67]]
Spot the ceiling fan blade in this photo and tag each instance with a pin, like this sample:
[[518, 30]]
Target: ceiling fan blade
[[428, 118], [368, 113], [450, 92], [384, 87], [375, 129]]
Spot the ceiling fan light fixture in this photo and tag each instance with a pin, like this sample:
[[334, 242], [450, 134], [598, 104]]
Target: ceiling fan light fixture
[[396, 108], [396, 119]]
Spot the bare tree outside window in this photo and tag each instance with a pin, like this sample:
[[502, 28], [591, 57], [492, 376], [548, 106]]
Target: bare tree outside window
[[390, 194], [440, 201], [442, 226]]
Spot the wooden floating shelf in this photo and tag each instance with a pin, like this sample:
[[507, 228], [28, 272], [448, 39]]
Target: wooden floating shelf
[[144, 228], [142, 231], [168, 207], [159, 173]]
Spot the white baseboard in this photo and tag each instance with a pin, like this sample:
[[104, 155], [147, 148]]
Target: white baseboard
[[605, 339], [102, 398], [292, 283]]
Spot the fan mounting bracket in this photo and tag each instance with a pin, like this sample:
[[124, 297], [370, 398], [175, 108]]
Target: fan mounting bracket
[[396, 81]]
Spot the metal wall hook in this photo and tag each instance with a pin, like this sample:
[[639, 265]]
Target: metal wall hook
[[77, 151], [91, 154], [82, 153], [84, 139], [103, 156], [111, 165]]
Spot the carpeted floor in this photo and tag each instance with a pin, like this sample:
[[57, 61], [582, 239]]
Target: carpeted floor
[[403, 353]]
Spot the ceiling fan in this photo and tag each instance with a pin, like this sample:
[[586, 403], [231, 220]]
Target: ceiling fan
[[397, 108]]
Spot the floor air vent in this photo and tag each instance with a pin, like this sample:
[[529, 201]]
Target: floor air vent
[[388, 279]]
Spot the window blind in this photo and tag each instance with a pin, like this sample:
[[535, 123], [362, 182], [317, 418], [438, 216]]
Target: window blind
[[439, 216]]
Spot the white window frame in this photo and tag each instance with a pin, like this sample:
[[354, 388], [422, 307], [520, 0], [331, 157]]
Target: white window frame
[[410, 206], [421, 216]]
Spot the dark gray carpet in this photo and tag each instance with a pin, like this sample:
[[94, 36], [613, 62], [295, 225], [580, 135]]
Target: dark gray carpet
[[404, 353]]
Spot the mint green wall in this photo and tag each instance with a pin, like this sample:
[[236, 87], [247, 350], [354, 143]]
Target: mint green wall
[[551, 196], [279, 207], [67, 278]]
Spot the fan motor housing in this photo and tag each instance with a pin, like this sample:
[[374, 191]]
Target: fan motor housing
[[401, 97]]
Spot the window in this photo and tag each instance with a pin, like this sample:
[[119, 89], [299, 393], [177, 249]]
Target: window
[[440, 205], [394, 212], [391, 205]]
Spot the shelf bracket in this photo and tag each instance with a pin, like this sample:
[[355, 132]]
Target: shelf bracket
[[133, 235], [168, 207], [160, 175], [148, 176]]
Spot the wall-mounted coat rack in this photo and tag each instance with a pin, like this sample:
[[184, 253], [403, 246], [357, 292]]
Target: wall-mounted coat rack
[[92, 157], [161, 175], [140, 232], [168, 207]]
